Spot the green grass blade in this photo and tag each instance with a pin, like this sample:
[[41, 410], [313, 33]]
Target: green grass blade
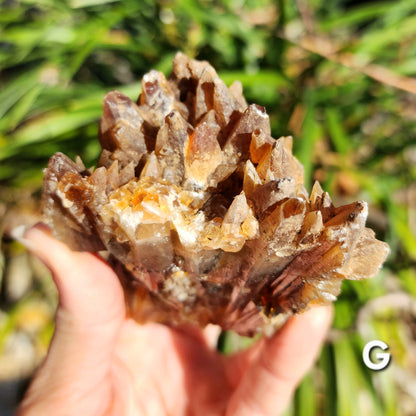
[[47, 127], [336, 131], [306, 398], [16, 89], [355, 16], [304, 145], [327, 366], [378, 40], [354, 394], [22, 107], [77, 4]]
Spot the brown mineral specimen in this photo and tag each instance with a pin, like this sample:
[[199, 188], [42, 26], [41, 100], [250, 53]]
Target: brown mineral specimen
[[203, 213]]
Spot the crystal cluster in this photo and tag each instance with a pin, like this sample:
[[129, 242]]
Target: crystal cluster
[[203, 214]]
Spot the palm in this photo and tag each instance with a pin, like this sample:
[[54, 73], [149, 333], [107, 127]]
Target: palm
[[101, 363], [168, 371]]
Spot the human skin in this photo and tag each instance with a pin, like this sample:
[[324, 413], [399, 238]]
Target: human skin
[[102, 363]]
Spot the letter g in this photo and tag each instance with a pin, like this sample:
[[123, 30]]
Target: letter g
[[382, 357]]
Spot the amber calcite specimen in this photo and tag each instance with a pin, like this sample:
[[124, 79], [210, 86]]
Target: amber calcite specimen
[[203, 214]]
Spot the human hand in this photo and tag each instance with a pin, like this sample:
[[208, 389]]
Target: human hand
[[102, 363]]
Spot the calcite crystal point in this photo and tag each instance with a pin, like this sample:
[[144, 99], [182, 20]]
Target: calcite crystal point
[[203, 214]]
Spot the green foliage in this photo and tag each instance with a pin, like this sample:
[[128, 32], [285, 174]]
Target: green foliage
[[353, 131]]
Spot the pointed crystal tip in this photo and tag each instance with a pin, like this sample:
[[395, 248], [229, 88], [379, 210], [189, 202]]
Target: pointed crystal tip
[[204, 214]]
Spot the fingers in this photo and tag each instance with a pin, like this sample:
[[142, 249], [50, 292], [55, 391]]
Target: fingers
[[283, 360], [88, 320], [86, 284]]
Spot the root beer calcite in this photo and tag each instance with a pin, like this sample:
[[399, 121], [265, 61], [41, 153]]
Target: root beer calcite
[[203, 214]]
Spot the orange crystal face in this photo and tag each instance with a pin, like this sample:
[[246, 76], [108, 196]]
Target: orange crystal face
[[203, 214]]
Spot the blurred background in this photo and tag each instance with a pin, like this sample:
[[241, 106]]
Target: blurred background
[[338, 75]]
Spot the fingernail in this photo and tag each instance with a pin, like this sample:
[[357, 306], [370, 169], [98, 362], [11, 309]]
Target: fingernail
[[18, 234]]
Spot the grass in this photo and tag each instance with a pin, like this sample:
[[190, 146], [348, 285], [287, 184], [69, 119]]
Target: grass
[[337, 75]]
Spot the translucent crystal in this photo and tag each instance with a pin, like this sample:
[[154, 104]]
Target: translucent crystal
[[204, 215]]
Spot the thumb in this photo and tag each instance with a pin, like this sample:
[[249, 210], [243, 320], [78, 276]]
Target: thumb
[[90, 293], [88, 319], [284, 359]]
